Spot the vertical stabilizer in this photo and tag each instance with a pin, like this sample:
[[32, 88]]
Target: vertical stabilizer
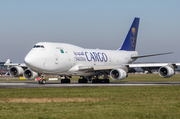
[[8, 61], [129, 43]]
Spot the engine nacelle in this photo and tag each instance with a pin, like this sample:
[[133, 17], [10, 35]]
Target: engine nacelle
[[28, 74], [118, 74], [16, 71], [166, 71]]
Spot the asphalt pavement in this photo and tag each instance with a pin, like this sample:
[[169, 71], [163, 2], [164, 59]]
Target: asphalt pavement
[[58, 84]]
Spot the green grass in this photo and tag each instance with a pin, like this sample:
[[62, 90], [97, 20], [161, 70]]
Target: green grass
[[150, 77], [91, 102]]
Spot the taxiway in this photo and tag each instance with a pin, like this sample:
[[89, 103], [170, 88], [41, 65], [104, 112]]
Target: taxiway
[[57, 84]]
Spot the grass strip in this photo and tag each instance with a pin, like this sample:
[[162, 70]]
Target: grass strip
[[91, 102]]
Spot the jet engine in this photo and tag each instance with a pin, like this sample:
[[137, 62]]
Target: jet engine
[[28, 74], [16, 71], [166, 71], [118, 74]]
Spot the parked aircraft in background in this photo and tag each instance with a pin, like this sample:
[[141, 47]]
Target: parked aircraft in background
[[69, 60]]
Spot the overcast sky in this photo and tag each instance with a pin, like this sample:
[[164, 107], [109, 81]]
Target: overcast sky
[[90, 24]]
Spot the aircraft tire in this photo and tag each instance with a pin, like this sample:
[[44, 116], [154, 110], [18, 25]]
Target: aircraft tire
[[95, 81], [68, 81], [85, 81], [65, 81], [106, 81], [62, 81], [39, 82], [100, 81], [43, 81], [82, 81]]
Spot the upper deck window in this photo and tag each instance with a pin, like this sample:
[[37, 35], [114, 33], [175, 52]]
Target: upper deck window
[[38, 46]]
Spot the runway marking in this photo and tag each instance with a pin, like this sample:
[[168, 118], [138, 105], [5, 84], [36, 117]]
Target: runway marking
[[15, 84]]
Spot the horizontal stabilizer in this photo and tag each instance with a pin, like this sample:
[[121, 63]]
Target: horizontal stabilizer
[[150, 55]]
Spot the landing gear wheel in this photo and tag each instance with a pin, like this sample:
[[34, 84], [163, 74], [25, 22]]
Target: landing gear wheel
[[43, 81], [82, 81], [65, 81], [95, 81], [68, 81], [105, 80], [39, 82], [100, 81]]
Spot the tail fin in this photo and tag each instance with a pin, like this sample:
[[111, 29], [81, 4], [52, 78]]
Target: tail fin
[[129, 43], [8, 61]]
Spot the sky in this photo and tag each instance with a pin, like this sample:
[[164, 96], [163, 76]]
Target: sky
[[99, 24]]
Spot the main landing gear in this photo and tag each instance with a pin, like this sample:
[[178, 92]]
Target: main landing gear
[[104, 80], [83, 80], [66, 80], [97, 80]]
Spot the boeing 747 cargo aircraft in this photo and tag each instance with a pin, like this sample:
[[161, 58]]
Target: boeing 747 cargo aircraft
[[69, 60]]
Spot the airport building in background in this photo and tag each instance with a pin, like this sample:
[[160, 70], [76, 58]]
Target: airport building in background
[[3, 69]]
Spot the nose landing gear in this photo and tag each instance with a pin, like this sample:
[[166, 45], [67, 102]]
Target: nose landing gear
[[42, 81]]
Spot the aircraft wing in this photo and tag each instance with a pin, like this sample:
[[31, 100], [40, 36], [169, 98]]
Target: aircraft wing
[[142, 65], [109, 67], [98, 67], [150, 65], [14, 64]]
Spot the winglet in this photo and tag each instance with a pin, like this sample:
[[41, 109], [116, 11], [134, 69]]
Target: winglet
[[129, 43]]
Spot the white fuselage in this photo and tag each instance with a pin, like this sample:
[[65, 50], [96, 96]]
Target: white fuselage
[[65, 59]]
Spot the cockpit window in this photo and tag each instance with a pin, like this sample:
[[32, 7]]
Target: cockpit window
[[38, 46]]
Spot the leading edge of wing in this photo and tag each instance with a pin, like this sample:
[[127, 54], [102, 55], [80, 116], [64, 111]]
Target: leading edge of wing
[[15, 64], [109, 67], [98, 67], [8, 62], [151, 55]]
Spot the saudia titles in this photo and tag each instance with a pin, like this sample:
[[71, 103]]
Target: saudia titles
[[91, 56]]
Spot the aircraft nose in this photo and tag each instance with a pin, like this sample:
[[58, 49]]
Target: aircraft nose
[[34, 60], [28, 60]]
